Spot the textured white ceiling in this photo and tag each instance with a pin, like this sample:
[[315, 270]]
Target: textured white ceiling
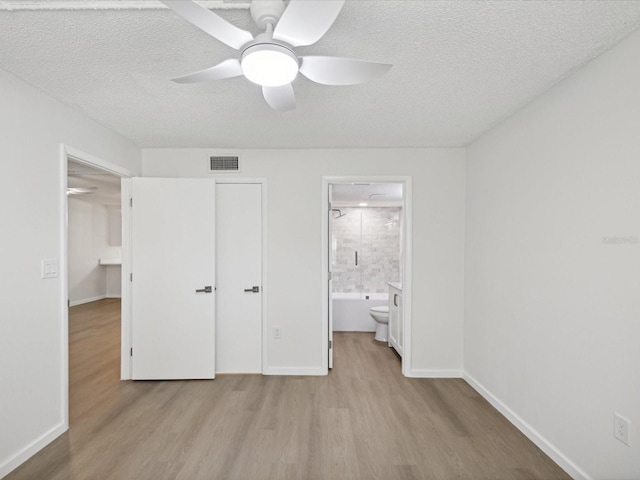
[[460, 67], [107, 186]]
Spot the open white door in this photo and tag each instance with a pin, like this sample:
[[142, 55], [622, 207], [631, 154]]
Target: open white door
[[173, 265], [330, 287]]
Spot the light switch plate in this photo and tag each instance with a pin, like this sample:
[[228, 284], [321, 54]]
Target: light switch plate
[[50, 268]]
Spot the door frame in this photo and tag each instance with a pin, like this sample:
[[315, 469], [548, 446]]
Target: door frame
[[67, 152], [265, 290], [406, 261]]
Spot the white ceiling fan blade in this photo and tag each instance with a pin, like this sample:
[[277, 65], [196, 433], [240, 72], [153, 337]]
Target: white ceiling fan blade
[[228, 69], [211, 23], [341, 71], [280, 98], [305, 21]]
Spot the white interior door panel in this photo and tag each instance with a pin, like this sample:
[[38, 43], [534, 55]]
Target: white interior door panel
[[239, 278], [173, 256]]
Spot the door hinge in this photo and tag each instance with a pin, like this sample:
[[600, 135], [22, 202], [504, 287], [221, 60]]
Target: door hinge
[[329, 206], [131, 352], [330, 276], [131, 202], [330, 344], [131, 277]]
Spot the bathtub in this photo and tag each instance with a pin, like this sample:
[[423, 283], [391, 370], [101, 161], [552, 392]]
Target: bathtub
[[351, 311]]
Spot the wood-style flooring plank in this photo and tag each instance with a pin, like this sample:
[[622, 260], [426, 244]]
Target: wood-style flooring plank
[[362, 421]]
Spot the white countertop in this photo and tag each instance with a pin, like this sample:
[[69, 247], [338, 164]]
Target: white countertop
[[110, 261], [397, 285]]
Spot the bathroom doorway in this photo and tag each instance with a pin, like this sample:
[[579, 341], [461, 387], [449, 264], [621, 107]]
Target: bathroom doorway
[[366, 251]]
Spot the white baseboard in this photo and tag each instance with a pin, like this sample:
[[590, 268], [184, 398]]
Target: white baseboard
[[547, 447], [113, 295], [427, 373], [310, 371], [87, 300], [22, 456]]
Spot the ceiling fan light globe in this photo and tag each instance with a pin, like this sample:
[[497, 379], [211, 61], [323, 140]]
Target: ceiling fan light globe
[[269, 65]]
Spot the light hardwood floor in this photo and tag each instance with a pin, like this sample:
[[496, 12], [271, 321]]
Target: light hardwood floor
[[362, 421]]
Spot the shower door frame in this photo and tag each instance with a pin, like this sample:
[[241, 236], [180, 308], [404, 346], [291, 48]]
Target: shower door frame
[[406, 259]]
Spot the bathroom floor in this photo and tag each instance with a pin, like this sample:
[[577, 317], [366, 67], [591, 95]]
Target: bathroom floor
[[362, 421], [359, 354]]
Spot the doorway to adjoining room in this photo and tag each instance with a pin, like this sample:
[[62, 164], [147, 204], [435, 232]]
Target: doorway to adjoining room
[[94, 286]]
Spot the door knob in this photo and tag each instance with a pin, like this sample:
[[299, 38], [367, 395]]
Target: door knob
[[206, 289], [254, 289]]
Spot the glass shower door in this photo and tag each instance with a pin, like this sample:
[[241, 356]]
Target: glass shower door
[[346, 249]]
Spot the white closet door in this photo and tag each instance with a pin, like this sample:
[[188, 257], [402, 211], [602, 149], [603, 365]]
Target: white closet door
[[239, 278], [173, 265]]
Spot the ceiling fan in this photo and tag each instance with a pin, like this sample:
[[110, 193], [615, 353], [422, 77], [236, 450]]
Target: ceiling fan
[[81, 190], [269, 59]]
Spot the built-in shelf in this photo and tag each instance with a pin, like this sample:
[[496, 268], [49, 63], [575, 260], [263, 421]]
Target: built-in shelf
[[110, 261]]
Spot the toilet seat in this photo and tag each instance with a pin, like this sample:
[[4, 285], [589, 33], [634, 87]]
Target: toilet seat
[[380, 309]]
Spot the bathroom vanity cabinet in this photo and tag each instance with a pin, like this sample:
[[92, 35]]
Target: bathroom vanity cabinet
[[395, 317]]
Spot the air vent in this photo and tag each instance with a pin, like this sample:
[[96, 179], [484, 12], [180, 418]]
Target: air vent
[[224, 163]]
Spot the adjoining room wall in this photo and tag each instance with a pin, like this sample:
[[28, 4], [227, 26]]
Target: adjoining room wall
[[114, 281], [552, 283], [294, 235], [33, 128], [88, 243]]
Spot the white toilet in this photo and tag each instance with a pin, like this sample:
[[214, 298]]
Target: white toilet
[[381, 316]]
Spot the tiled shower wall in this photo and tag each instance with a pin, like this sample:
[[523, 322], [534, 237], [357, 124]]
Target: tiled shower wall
[[375, 234]]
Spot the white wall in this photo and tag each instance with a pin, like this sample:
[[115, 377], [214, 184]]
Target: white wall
[[114, 245], [552, 306], [88, 240], [294, 186], [33, 127], [114, 281]]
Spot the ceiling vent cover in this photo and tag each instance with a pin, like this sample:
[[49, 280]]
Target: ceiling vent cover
[[227, 163]]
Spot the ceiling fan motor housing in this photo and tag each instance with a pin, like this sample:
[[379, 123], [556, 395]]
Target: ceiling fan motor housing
[[265, 12], [269, 63]]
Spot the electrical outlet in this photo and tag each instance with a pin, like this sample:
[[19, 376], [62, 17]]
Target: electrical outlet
[[621, 427], [277, 332]]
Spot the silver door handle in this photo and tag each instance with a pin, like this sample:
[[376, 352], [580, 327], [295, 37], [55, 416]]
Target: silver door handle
[[254, 289], [206, 289]]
